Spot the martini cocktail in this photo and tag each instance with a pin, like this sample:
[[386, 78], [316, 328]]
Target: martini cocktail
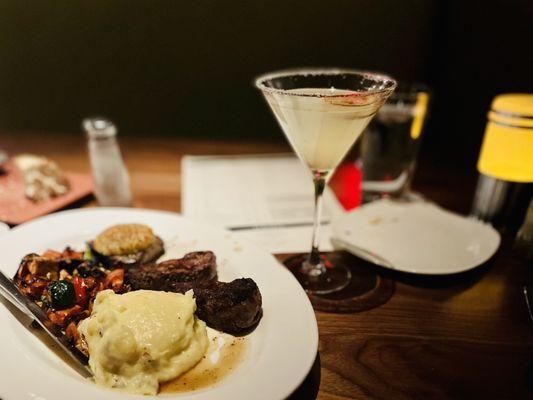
[[322, 113]]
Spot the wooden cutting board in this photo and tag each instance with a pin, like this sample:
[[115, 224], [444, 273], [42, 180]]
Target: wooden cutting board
[[16, 208]]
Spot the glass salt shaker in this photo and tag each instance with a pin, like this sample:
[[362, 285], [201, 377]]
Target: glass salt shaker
[[110, 176]]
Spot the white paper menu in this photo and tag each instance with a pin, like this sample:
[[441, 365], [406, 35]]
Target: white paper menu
[[263, 198]]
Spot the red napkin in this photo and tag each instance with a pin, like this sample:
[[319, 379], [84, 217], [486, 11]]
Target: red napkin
[[346, 184]]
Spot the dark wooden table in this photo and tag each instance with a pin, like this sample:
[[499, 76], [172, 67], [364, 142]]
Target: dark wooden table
[[457, 337]]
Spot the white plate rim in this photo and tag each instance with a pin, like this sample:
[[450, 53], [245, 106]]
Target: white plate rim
[[4, 228]]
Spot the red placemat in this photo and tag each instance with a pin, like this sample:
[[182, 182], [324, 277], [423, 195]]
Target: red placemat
[[15, 208]]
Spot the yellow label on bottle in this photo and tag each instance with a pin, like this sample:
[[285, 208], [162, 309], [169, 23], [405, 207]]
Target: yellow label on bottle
[[507, 153]]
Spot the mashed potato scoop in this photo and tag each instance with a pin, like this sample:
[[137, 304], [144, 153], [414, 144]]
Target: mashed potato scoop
[[139, 339]]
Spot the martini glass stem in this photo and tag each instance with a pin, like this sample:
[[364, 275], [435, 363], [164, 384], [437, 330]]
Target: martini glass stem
[[314, 267]]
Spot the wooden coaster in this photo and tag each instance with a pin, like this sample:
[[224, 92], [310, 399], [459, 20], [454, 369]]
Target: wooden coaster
[[366, 289]]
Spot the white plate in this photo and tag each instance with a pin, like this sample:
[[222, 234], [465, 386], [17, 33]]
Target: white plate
[[4, 228], [416, 237], [280, 351]]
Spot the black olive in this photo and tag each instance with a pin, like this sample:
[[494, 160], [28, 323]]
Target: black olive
[[88, 268], [62, 294], [69, 264]]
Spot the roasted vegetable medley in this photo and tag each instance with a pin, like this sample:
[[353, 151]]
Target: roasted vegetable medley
[[64, 284]]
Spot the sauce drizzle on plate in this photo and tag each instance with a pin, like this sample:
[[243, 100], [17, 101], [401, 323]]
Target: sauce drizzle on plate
[[223, 356]]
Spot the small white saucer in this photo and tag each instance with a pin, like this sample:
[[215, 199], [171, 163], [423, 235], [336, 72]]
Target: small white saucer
[[416, 237]]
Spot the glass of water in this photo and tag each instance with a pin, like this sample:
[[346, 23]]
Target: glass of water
[[390, 143]]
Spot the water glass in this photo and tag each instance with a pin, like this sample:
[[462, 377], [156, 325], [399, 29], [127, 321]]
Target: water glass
[[390, 143]]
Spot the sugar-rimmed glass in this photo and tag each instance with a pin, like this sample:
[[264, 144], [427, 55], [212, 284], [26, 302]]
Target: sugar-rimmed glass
[[323, 112]]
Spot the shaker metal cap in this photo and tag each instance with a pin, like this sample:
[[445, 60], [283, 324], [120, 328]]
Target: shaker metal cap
[[512, 110], [99, 127], [519, 105]]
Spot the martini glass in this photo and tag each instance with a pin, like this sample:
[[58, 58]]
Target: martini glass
[[323, 112]]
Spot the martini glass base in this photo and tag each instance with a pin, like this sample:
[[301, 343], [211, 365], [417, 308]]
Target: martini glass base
[[364, 290], [332, 280]]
